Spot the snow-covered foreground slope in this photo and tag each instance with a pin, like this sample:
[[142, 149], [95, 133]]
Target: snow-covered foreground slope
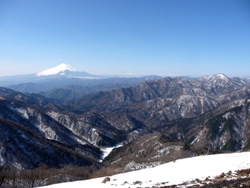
[[176, 172]]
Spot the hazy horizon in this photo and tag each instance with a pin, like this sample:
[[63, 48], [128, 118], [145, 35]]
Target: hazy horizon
[[143, 37]]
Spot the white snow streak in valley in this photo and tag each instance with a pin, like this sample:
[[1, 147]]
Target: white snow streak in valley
[[171, 173], [107, 151]]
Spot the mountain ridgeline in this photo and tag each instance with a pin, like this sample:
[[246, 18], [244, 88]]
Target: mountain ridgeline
[[215, 108], [181, 116]]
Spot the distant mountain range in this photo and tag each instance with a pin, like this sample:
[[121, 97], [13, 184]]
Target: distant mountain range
[[64, 82], [58, 72], [209, 114], [62, 117], [62, 71]]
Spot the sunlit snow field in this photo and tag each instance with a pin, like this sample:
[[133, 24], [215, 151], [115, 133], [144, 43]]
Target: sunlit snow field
[[171, 173]]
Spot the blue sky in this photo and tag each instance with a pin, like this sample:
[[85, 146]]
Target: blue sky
[[167, 37]]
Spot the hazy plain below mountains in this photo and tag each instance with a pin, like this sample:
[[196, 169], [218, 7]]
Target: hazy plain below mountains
[[67, 117]]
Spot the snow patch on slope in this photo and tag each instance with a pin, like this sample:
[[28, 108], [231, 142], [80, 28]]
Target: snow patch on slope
[[172, 173]]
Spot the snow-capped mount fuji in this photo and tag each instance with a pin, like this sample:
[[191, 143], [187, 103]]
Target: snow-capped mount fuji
[[60, 69], [69, 81], [64, 70]]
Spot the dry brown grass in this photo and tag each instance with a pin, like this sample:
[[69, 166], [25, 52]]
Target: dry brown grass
[[107, 171]]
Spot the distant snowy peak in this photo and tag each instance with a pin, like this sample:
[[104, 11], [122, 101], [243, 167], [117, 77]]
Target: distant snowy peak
[[60, 69], [219, 77], [213, 79], [221, 80], [215, 76]]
